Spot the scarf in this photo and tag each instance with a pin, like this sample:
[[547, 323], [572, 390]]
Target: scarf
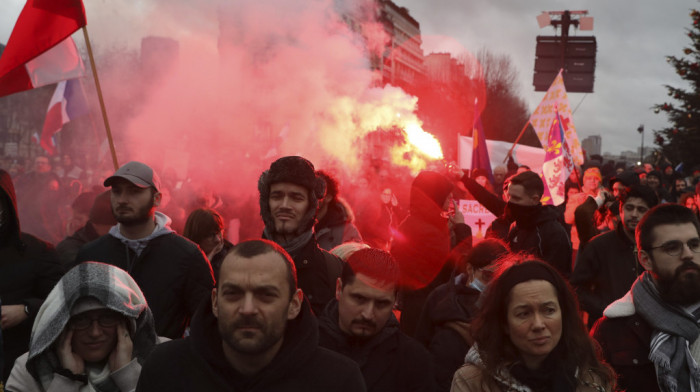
[[295, 244], [674, 330], [113, 288]]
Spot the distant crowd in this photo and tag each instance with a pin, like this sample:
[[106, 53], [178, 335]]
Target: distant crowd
[[128, 280]]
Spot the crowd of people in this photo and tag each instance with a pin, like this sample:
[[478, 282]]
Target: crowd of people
[[125, 285]]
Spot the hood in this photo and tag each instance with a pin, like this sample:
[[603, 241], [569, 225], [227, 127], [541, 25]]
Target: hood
[[339, 212], [137, 245], [113, 288], [300, 343], [429, 191], [8, 193], [623, 307]]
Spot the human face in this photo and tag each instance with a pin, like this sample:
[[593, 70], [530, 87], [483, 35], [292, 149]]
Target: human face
[[677, 277], [499, 175], [211, 241], [653, 182], [364, 306], [534, 320], [617, 189], [591, 184], [95, 342], [690, 203], [42, 165], [131, 204], [632, 211], [252, 304], [517, 195], [288, 205], [680, 185]]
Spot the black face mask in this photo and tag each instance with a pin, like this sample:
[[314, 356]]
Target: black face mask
[[519, 213]]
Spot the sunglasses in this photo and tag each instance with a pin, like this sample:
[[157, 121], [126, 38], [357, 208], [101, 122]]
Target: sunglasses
[[105, 320], [675, 247]]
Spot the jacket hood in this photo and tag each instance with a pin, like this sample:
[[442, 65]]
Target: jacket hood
[[299, 344], [8, 194], [429, 191], [339, 212]]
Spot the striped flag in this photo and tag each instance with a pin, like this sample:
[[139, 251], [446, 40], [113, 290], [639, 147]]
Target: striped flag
[[67, 103]]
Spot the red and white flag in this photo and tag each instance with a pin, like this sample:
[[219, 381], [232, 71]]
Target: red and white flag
[[67, 103], [40, 50]]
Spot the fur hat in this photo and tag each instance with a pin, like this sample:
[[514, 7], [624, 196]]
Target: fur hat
[[295, 170]]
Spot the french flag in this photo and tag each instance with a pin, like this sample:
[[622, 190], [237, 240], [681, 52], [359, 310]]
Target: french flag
[[40, 50], [67, 103]]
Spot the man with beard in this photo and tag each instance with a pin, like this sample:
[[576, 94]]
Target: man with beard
[[255, 333], [360, 324], [289, 198], [608, 265], [172, 271], [536, 228], [650, 336]]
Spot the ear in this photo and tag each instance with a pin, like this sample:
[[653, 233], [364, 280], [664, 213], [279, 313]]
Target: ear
[[338, 288], [644, 259], [295, 304], [157, 198], [214, 302]]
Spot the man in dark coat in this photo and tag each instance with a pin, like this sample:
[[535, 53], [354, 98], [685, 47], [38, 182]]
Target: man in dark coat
[[422, 245], [650, 336], [29, 268], [256, 333], [360, 324], [537, 228], [289, 197], [608, 265], [171, 270], [335, 217]]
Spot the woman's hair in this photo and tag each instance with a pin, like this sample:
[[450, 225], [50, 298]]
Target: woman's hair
[[201, 223], [579, 351]]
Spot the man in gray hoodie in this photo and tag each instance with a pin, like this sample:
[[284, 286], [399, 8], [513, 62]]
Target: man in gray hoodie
[[172, 271]]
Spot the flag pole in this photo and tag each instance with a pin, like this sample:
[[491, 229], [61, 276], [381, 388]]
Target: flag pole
[[516, 141], [101, 99]]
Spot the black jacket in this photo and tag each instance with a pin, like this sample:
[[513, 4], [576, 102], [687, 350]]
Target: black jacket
[[390, 360], [448, 302], [197, 363], [70, 246], [625, 345], [605, 271], [545, 237], [172, 272], [29, 268]]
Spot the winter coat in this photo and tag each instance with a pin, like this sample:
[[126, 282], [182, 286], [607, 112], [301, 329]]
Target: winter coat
[[422, 246], [390, 360], [545, 237], [605, 271], [336, 227], [449, 302], [625, 338], [70, 246], [172, 271], [198, 363], [29, 268], [35, 371]]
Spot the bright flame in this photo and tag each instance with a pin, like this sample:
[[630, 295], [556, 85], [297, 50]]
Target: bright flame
[[423, 141]]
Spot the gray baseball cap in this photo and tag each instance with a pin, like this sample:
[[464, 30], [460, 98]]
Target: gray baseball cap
[[137, 173]]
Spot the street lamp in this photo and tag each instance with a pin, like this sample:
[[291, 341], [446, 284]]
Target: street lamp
[[640, 129]]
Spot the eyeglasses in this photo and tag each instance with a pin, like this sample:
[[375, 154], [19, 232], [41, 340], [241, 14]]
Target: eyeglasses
[[106, 320], [675, 247]]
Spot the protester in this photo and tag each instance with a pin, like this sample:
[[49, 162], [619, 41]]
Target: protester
[[360, 324], [29, 268], [592, 186], [93, 332], [289, 196], [100, 220], [608, 265], [537, 229], [255, 333], [335, 217], [529, 336], [445, 322], [205, 227], [39, 199], [172, 271], [423, 243], [650, 336]]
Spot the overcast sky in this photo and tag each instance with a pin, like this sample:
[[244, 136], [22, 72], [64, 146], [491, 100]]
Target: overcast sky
[[633, 39]]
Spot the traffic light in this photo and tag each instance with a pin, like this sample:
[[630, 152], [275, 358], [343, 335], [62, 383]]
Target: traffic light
[[576, 55]]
